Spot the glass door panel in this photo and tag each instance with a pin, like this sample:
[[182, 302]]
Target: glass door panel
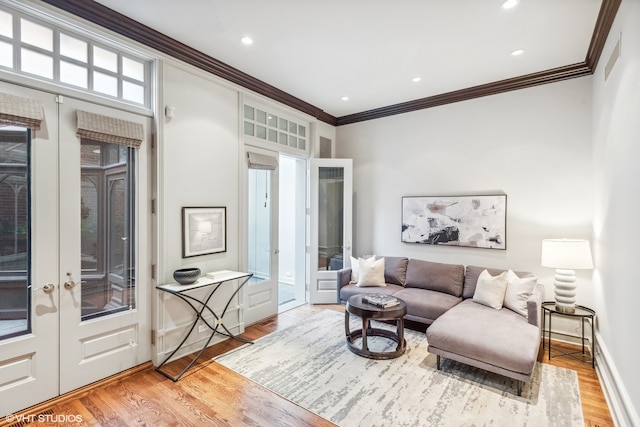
[[331, 218], [15, 230], [106, 229], [260, 225]]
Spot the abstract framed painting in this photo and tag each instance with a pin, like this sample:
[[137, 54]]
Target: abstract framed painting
[[470, 221], [204, 231]]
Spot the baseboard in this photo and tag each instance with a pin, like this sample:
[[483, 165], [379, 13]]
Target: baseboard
[[620, 405]]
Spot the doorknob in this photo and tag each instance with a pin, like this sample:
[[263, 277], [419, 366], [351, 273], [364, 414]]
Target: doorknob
[[70, 284], [276, 251], [48, 288]]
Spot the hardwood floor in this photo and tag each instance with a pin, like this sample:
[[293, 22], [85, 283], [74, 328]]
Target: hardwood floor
[[209, 394]]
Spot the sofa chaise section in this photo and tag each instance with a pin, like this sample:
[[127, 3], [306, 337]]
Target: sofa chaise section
[[500, 341]]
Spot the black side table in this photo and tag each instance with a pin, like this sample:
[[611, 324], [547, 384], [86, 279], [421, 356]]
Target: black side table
[[585, 314], [356, 306]]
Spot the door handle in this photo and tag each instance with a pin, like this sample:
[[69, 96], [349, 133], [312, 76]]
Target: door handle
[[70, 284], [276, 251], [48, 288]]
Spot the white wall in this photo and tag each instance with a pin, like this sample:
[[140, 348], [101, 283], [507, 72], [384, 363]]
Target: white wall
[[616, 130], [198, 161], [533, 144]]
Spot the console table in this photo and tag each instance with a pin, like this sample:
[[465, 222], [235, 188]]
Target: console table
[[215, 280]]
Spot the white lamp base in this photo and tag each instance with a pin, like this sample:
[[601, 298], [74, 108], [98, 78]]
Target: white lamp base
[[565, 290]]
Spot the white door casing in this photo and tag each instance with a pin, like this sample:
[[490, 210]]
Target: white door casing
[[325, 196]]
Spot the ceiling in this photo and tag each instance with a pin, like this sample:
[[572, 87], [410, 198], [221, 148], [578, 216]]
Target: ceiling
[[370, 50]]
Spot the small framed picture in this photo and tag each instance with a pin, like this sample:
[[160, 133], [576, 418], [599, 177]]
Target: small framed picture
[[204, 231]]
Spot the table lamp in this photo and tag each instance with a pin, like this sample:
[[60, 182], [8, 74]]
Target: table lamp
[[566, 255]]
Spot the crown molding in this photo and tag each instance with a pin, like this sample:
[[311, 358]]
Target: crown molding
[[494, 88], [121, 24], [108, 18], [606, 16]]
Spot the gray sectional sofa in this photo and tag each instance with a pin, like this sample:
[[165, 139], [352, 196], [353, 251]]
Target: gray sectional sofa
[[441, 296]]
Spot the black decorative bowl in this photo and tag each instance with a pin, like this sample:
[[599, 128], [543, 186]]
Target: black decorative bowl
[[186, 276]]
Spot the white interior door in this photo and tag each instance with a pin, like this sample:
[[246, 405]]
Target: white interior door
[[261, 292], [29, 297], [331, 192], [104, 251], [55, 231]]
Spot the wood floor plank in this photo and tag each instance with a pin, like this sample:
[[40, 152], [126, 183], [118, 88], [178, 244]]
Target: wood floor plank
[[212, 395]]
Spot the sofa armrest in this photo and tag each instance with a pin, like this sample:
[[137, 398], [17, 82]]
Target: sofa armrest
[[534, 306], [343, 279]]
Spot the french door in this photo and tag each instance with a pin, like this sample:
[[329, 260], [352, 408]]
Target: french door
[[76, 276], [261, 292], [331, 192]]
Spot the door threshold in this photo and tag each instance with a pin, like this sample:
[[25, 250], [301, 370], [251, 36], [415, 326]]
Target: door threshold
[[290, 305]]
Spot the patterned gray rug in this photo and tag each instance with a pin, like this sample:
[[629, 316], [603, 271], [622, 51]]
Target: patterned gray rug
[[310, 365]]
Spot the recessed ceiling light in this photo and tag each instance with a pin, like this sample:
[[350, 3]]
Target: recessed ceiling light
[[246, 40], [345, 98], [517, 52], [416, 79], [509, 4]]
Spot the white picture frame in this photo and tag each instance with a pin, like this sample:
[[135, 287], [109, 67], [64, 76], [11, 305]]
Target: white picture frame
[[204, 231]]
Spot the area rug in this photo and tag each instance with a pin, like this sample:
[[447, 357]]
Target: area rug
[[310, 365]]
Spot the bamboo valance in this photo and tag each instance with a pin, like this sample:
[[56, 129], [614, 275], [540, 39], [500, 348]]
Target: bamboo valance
[[107, 129], [19, 111]]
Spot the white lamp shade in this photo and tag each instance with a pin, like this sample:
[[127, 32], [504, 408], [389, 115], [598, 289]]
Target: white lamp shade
[[571, 254]]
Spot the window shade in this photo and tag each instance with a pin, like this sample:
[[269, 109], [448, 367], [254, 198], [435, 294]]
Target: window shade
[[19, 111], [109, 129], [262, 161]]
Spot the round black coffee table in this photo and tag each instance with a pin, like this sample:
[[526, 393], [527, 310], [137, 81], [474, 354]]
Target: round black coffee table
[[367, 311]]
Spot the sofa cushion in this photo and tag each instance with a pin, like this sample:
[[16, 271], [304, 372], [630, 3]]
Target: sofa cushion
[[395, 269], [490, 289], [435, 276], [371, 272], [471, 278], [498, 337], [518, 292], [426, 306], [351, 289]]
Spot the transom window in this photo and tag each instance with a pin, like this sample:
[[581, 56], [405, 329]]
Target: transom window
[[271, 127], [38, 49]]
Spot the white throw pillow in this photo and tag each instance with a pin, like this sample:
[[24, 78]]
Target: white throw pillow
[[371, 272], [490, 289], [355, 268], [518, 292]]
